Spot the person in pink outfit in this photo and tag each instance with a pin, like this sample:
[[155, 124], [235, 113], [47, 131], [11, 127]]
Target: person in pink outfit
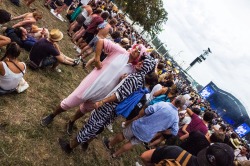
[[99, 83]]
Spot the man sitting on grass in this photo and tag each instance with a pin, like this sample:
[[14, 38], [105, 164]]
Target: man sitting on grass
[[46, 52]]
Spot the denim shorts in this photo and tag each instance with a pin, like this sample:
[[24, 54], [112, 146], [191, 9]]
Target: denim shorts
[[48, 61], [93, 42]]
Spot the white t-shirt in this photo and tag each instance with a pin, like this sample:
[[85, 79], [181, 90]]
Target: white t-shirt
[[217, 127], [186, 120], [238, 156], [150, 95], [85, 2]]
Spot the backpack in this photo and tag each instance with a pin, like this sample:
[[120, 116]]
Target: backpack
[[175, 162]]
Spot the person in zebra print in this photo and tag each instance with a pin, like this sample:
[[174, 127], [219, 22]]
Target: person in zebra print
[[97, 84], [104, 113]]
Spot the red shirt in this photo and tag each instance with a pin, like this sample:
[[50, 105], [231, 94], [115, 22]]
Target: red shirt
[[196, 124], [92, 28]]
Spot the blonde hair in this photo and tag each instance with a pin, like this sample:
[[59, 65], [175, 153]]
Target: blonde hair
[[37, 15]]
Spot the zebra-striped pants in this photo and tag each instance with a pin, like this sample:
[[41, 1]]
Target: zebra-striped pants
[[99, 119]]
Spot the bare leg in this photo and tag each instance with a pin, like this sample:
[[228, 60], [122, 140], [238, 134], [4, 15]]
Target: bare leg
[[90, 61], [69, 59], [83, 44], [78, 35], [146, 157], [85, 48], [72, 26], [126, 147], [74, 143], [60, 9], [77, 115], [29, 2], [47, 2], [90, 51], [117, 139], [156, 141], [58, 111]]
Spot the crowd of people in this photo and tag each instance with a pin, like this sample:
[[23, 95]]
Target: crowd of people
[[160, 109]]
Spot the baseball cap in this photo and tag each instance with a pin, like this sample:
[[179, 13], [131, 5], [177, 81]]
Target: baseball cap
[[217, 154]]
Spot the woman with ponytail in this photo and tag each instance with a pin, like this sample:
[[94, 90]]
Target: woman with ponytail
[[11, 69]]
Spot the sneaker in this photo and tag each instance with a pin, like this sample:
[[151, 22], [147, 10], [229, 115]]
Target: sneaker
[[123, 125], [110, 128], [52, 11], [105, 142], [58, 70], [77, 61], [85, 146], [65, 146], [137, 164], [70, 126], [78, 50], [47, 120]]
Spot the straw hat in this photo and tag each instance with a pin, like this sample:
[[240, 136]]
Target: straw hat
[[125, 41], [55, 35]]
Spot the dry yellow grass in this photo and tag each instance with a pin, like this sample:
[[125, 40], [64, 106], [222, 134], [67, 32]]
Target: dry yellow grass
[[22, 140]]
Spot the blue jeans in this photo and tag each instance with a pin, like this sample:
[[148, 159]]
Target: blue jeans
[[48, 61]]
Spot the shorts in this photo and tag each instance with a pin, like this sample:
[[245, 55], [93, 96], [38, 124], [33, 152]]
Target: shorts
[[128, 134], [85, 26], [88, 37], [93, 42], [165, 152], [80, 19], [48, 61], [68, 2]]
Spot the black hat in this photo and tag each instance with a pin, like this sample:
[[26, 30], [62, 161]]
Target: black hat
[[217, 154]]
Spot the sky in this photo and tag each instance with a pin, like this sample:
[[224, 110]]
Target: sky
[[224, 27]]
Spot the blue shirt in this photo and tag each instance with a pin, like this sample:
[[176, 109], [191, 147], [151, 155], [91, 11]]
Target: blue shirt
[[159, 117]]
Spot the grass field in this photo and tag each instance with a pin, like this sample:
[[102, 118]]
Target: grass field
[[22, 140]]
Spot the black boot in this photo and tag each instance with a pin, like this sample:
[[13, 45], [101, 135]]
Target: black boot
[[65, 146]]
